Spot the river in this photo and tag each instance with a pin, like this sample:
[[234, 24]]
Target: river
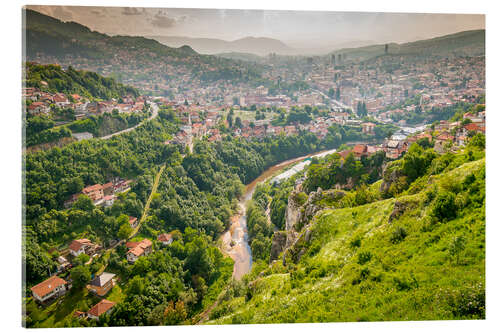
[[235, 239]]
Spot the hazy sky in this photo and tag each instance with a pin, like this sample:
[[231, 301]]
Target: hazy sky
[[293, 27]]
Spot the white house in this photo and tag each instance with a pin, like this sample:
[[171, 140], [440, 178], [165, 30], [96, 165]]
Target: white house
[[52, 287], [79, 246]]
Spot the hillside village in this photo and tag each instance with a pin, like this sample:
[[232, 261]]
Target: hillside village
[[140, 177]]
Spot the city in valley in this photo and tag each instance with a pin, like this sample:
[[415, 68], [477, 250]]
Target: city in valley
[[178, 180]]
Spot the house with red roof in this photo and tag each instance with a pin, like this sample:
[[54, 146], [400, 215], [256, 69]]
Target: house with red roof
[[94, 192], [360, 150], [138, 249], [103, 307], [133, 221], [53, 287], [79, 246], [165, 239], [37, 108]]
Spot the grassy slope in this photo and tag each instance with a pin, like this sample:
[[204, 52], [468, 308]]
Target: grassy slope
[[416, 279]]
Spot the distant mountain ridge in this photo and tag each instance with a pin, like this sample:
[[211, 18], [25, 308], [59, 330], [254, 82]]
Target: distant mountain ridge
[[471, 42], [254, 45], [135, 58]]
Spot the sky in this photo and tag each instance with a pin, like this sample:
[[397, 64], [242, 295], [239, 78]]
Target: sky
[[296, 28]]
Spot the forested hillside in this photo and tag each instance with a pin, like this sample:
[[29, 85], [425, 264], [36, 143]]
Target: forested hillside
[[127, 57], [70, 81]]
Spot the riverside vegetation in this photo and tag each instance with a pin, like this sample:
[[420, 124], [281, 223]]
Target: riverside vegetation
[[408, 246]]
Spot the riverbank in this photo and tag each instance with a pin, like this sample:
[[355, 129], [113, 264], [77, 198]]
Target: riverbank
[[235, 239]]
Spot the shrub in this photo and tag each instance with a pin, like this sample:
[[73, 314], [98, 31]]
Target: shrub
[[398, 235], [444, 207], [364, 257], [355, 241]]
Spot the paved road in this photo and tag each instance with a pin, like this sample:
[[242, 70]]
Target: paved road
[[153, 115], [339, 104]]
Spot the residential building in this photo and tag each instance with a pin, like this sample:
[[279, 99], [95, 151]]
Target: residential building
[[83, 245], [94, 192], [53, 287], [103, 307], [102, 284], [138, 249], [165, 239]]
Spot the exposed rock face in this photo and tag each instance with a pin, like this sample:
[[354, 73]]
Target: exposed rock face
[[292, 211], [278, 244], [400, 208], [292, 215], [388, 180], [334, 195]]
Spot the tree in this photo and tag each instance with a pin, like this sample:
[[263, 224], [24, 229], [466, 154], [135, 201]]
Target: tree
[[175, 314], [81, 259], [444, 207], [136, 285], [84, 203], [337, 94], [238, 123], [125, 231], [80, 276], [478, 140]]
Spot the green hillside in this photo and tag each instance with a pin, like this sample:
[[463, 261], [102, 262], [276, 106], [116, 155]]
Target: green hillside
[[71, 81], [130, 56], [463, 43], [417, 256]]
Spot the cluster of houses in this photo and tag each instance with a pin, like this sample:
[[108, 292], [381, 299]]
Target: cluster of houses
[[54, 287], [101, 194], [445, 135], [41, 101]]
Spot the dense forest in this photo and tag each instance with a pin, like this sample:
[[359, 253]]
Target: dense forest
[[70, 81]]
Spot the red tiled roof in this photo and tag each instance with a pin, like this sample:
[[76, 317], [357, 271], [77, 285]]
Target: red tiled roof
[[78, 243], [101, 307], [92, 188], [359, 149], [472, 127], [164, 237], [48, 285], [132, 220], [139, 247]]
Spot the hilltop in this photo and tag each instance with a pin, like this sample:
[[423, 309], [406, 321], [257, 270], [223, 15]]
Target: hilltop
[[462, 43], [254, 45], [131, 59]]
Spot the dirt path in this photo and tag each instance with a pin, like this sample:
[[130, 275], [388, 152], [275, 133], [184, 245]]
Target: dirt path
[[148, 202]]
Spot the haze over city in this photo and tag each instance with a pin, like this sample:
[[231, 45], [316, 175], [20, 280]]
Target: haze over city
[[298, 29]]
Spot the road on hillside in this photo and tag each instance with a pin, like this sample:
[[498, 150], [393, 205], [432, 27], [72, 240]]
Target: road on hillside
[[153, 115]]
